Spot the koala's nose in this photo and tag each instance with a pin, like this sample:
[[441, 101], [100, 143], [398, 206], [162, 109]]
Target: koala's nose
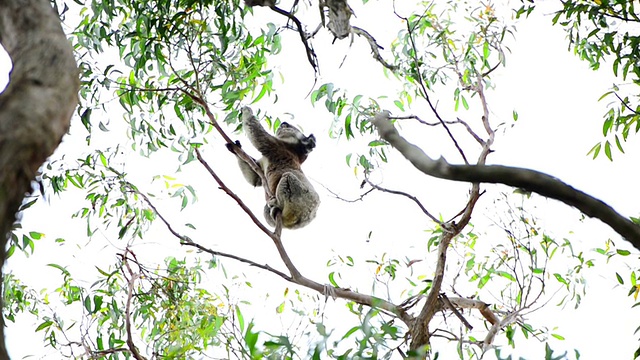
[[285, 124]]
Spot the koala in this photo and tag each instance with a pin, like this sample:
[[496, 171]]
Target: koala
[[293, 195]]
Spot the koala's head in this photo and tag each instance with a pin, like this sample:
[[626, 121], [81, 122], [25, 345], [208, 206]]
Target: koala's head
[[292, 136]]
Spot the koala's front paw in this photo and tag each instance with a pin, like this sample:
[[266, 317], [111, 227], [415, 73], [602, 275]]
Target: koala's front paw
[[231, 146]]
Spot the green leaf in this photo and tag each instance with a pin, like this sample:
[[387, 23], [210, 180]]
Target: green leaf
[[348, 159], [97, 301], [350, 332], [605, 95], [619, 144], [44, 325], [10, 251], [332, 279], [28, 204], [561, 279], [464, 102], [240, 319], [486, 51], [506, 275], [377, 143], [606, 126], [347, 127], [595, 150], [103, 159], [607, 150], [251, 339]]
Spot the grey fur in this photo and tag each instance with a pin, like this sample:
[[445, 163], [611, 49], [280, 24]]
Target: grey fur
[[282, 156]]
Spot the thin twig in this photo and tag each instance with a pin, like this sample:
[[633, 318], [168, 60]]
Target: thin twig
[[311, 55], [625, 104], [452, 122], [401, 193], [237, 258]]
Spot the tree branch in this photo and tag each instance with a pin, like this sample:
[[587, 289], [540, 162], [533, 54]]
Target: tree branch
[[373, 44], [36, 106], [311, 54], [131, 279], [527, 179]]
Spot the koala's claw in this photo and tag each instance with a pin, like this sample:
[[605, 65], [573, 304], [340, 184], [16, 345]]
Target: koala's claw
[[231, 146]]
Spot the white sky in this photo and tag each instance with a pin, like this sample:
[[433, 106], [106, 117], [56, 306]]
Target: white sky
[[555, 95]]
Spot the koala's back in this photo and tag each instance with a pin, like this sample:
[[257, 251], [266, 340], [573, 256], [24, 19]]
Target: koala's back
[[298, 199], [294, 194], [277, 163]]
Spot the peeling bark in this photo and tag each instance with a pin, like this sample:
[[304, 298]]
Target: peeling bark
[[37, 105]]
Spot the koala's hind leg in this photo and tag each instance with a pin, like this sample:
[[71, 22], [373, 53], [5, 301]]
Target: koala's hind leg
[[296, 198], [271, 209]]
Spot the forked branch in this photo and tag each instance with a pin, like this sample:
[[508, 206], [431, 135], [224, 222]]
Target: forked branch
[[527, 179]]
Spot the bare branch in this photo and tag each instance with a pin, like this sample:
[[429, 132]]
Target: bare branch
[[374, 47], [348, 200], [453, 122], [527, 179], [447, 304], [626, 105], [232, 194], [483, 307], [401, 193], [237, 258], [311, 54], [131, 279], [509, 319]]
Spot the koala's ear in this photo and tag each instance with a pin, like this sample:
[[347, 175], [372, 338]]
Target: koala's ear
[[309, 142]]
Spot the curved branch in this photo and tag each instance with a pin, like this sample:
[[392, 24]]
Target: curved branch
[[527, 179]]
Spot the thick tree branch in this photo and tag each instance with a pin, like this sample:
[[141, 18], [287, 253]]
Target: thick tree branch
[[527, 179], [36, 106]]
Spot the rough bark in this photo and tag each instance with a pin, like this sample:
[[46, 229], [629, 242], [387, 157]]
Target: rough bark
[[37, 105]]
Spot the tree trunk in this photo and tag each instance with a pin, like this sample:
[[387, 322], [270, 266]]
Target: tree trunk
[[35, 108]]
